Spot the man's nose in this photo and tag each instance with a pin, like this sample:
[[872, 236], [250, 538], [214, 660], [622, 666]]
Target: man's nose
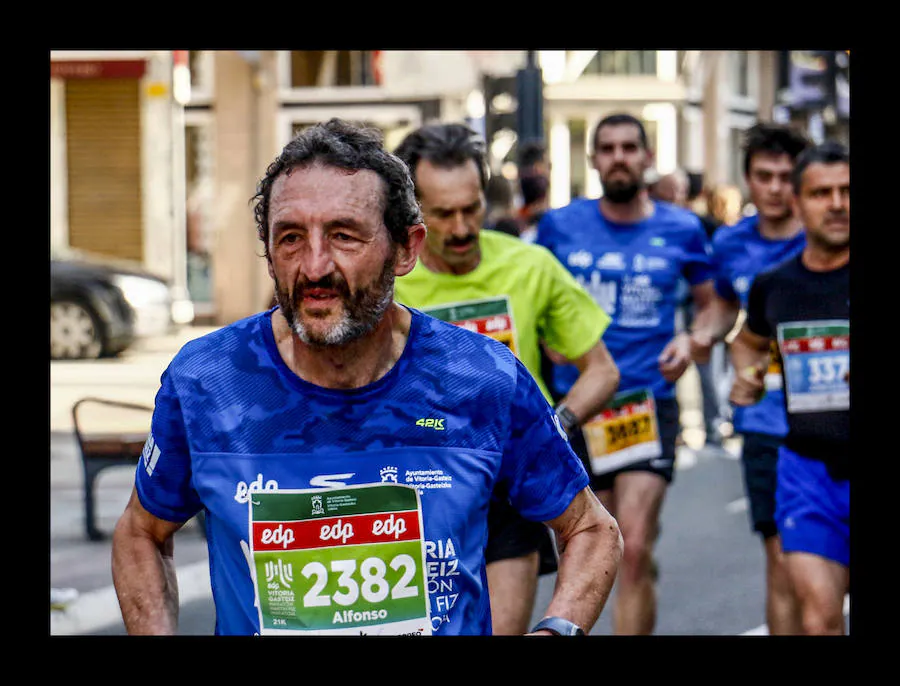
[[459, 226], [837, 199], [318, 262]]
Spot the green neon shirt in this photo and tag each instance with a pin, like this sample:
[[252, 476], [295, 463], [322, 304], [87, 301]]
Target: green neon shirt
[[519, 293]]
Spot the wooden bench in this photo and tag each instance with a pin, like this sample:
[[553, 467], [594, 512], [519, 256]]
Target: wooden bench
[[101, 450]]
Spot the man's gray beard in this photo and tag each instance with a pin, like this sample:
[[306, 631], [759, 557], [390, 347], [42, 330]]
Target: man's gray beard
[[348, 330], [369, 310]]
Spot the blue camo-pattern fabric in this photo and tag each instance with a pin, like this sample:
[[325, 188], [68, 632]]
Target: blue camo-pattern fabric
[[230, 417]]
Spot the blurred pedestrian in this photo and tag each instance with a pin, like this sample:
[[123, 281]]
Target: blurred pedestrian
[[500, 212], [803, 307], [532, 158], [514, 292], [344, 447], [741, 252], [674, 187], [629, 252], [535, 191], [671, 187]]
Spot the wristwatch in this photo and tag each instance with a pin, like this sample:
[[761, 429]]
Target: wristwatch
[[559, 627], [567, 418]]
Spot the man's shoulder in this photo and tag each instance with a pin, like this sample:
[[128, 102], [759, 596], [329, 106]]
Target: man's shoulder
[[221, 344], [786, 271], [676, 218], [459, 347], [514, 252], [578, 207], [742, 230]]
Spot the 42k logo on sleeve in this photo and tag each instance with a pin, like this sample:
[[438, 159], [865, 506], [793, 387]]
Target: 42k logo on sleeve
[[343, 561]]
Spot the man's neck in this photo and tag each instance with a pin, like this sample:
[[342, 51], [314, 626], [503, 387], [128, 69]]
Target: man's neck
[[779, 229], [357, 364], [639, 208], [819, 259]]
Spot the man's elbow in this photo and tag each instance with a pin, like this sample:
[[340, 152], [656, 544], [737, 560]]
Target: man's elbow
[[613, 538], [614, 374], [608, 543]]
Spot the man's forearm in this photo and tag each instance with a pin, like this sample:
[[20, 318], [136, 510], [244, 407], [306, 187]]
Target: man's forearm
[[745, 354], [589, 394], [595, 385], [716, 319], [587, 571], [590, 548], [145, 582]]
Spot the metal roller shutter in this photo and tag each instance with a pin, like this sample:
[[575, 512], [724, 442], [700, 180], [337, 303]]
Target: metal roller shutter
[[103, 126]]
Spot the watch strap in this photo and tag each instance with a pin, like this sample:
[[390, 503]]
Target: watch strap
[[567, 418], [559, 626]]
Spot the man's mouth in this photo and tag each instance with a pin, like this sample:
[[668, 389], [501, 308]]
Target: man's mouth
[[461, 246], [320, 295]]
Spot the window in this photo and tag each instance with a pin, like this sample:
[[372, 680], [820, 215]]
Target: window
[[393, 131], [736, 158], [622, 63], [323, 68], [200, 64], [199, 204], [741, 64], [578, 164]]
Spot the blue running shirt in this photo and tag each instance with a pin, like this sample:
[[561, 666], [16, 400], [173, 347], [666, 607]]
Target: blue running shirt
[[740, 252], [632, 271], [232, 419]]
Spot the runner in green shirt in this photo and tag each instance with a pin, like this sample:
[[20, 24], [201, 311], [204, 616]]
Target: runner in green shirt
[[512, 291]]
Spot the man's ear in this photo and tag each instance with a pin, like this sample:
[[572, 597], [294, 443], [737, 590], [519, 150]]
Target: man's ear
[[408, 254], [269, 268]]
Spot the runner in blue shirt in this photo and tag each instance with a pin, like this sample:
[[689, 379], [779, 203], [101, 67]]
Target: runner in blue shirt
[[740, 253], [804, 305], [630, 252], [343, 447]]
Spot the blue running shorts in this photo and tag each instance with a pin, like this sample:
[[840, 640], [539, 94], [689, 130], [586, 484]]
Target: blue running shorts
[[812, 510]]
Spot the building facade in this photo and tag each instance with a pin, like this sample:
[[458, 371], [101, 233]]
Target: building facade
[[116, 166], [155, 155]]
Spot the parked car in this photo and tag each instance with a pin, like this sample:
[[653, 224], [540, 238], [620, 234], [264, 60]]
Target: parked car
[[100, 306]]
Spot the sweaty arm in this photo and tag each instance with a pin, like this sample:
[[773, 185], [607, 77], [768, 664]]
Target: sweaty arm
[[590, 546], [143, 571], [712, 324], [750, 349], [676, 356], [595, 385], [750, 359]]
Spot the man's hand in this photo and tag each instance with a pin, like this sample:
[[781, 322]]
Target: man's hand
[[675, 357], [749, 386]]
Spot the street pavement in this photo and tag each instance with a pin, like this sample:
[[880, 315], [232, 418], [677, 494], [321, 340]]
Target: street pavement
[[711, 578], [75, 561]]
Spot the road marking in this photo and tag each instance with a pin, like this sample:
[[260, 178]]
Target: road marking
[[735, 506], [100, 608], [763, 629]]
